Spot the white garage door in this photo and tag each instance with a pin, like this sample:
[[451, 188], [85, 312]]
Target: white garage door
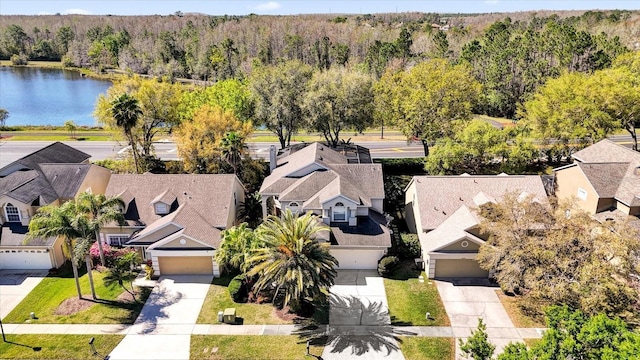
[[25, 259], [357, 259]]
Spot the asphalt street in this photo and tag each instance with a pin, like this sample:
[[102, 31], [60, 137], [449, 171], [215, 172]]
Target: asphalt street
[[100, 150]]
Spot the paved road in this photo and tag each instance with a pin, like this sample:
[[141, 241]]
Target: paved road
[[100, 150]]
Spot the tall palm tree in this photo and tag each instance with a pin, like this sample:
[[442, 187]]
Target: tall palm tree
[[63, 220], [101, 210], [126, 111], [292, 260], [250, 210], [233, 147], [235, 248]]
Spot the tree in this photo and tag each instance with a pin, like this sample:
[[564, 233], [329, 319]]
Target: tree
[[64, 36], [64, 221], [71, 127], [125, 111], [123, 272], [278, 92], [338, 99], [101, 211], [4, 115], [425, 100], [561, 255], [300, 266], [199, 140], [230, 95], [236, 248], [233, 147], [251, 209], [477, 345]]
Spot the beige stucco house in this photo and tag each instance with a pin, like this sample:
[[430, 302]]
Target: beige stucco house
[[604, 180], [175, 220], [343, 188], [442, 211], [51, 175]]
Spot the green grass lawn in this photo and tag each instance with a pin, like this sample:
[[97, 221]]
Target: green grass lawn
[[45, 299], [250, 347], [519, 318], [413, 299], [426, 348], [26, 137], [57, 347]]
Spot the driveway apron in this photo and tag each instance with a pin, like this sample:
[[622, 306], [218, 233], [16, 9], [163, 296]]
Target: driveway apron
[[163, 328], [467, 300], [359, 322], [15, 285]]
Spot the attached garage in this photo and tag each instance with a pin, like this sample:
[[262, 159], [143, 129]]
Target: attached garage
[[451, 268], [178, 265], [357, 259], [25, 259]]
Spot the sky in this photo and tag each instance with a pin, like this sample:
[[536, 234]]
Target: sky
[[291, 7]]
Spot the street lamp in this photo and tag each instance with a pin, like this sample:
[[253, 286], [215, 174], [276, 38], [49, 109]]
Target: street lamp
[[2, 329]]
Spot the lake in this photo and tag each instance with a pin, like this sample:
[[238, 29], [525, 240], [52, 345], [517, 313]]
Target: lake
[[35, 96]]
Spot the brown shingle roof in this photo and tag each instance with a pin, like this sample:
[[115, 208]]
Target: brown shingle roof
[[604, 177], [439, 197], [606, 151]]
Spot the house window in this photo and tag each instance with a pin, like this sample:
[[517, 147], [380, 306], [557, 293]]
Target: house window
[[339, 212], [12, 213], [117, 240], [293, 206], [161, 208], [582, 194]]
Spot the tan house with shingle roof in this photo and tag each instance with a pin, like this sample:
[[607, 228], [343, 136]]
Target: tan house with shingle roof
[[442, 211], [344, 189], [604, 179], [175, 220]]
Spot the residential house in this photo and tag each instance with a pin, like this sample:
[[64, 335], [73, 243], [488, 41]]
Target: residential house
[[51, 175], [442, 211], [604, 180], [343, 188], [175, 220]]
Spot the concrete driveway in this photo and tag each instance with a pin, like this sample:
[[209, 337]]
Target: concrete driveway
[[15, 285], [359, 322], [466, 300], [163, 328]]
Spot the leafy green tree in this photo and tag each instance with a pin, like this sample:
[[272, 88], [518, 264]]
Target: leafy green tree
[[477, 345], [64, 221], [236, 248], [15, 40], [561, 255], [232, 147], [71, 127], [4, 115], [64, 36], [125, 111], [278, 92], [337, 99], [123, 272], [425, 100], [300, 266], [101, 210], [230, 95], [251, 209]]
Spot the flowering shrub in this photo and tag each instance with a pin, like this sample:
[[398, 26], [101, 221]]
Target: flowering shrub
[[110, 254]]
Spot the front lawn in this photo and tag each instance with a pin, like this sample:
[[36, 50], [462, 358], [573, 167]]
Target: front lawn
[[113, 307], [218, 299], [250, 347], [57, 347], [512, 305], [427, 348], [409, 300]]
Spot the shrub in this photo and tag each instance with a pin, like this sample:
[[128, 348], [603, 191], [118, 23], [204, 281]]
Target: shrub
[[111, 254], [387, 265], [409, 246], [21, 59], [237, 289]]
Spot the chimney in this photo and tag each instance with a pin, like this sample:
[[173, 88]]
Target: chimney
[[272, 158]]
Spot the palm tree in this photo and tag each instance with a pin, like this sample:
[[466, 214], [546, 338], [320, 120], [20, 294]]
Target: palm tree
[[64, 220], [250, 210], [122, 272], [126, 111], [292, 260], [102, 210], [235, 248], [233, 147]]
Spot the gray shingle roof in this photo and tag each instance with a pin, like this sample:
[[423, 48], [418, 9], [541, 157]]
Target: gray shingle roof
[[604, 177], [606, 151], [15, 234], [369, 232], [57, 153], [452, 229], [439, 197]]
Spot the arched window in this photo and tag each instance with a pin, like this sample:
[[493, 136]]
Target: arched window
[[339, 212], [293, 205], [12, 214], [339, 204]]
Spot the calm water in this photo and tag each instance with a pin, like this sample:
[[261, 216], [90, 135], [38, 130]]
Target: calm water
[[48, 96]]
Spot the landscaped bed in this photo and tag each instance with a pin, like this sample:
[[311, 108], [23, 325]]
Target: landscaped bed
[[409, 300], [55, 301], [250, 347], [218, 299], [427, 348], [57, 347]]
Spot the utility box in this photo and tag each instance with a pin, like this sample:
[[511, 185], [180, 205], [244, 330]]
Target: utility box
[[220, 316], [229, 316]]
